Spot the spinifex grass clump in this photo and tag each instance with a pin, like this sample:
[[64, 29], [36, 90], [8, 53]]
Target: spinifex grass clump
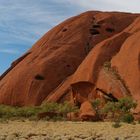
[[61, 110], [7, 112], [10, 112], [48, 107], [66, 108]]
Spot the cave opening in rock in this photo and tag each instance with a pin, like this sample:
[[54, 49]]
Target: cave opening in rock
[[94, 31], [64, 30], [68, 65], [96, 26], [39, 77], [80, 92], [110, 30]]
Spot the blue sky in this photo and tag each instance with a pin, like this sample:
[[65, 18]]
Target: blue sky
[[23, 22]]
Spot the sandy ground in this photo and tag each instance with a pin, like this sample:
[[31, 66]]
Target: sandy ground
[[43, 130]]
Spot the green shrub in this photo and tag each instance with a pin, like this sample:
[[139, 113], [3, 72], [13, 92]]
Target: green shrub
[[7, 112], [66, 108], [96, 104], [27, 111], [109, 107], [50, 107], [110, 110], [128, 118], [126, 104], [121, 110]]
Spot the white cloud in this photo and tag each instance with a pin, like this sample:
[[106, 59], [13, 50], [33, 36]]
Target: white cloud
[[23, 22], [9, 51], [27, 20], [107, 5]]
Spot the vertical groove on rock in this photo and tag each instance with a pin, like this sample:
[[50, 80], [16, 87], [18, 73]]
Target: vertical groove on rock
[[110, 49]]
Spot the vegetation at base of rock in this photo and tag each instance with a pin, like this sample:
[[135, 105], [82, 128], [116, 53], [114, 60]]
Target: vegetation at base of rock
[[61, 109], [96, 106], [96, 103], [66, 107], [115, 111], [120, 111], [8, 112], [128, 118]]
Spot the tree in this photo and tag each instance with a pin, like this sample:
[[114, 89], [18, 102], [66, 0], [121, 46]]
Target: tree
[[96, 106], [121, 110]]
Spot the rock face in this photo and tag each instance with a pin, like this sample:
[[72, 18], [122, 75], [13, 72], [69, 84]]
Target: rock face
[[87, 112], [92, 55]]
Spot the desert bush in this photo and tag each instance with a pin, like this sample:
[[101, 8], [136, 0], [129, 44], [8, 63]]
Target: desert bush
[[128, 118], [96, 104], [27, 111], [49, 107], [110, 110], [66, 108], [126, 104], [9, 111], [61, 110], [121, 110]]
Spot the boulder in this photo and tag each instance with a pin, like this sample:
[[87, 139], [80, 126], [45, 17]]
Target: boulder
[[86, 112]]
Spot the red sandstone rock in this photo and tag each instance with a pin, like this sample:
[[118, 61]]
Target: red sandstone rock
[[68, 62], [87, 112]]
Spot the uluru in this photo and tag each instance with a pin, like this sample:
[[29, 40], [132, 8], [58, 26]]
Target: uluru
[[92, 55]]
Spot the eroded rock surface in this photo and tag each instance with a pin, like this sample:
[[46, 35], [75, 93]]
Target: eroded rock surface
[[94, 50]]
